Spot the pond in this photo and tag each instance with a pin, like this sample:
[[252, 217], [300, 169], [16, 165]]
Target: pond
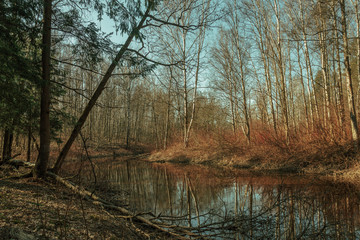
[[232, 204]]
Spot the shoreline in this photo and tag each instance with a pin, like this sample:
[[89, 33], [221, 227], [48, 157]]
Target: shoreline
[[339, 163]]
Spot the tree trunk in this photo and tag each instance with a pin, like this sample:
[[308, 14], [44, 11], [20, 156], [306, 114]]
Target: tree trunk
[[7, 145], [338, 84], [201, 38], [42, 162], [324, 70], [350, 90], [303, 88], [167, 123], [310, 79], [356, 4], [28, 153], [185, 91], [235, 33], [128, 117], [283, 97]]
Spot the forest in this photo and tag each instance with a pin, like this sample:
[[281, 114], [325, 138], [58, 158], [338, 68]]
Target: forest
[[263, 85], [226, 77]]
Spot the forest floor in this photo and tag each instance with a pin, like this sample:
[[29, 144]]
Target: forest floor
[[38, 209]]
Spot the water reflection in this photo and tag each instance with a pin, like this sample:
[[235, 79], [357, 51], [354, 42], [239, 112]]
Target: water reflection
[[234, 204]]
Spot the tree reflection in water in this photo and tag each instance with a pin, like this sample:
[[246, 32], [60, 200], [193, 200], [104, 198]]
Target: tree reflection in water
[[234, 204]]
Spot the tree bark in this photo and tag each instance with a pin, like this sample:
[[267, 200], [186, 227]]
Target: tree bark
[[28, 153], [325, 70], [283, 97], [338, 84], [42, 162], [350, 90], [167, 123], [303, 88], [7, 145]]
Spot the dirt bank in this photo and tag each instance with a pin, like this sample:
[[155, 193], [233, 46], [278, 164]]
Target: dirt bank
[[335, 161]]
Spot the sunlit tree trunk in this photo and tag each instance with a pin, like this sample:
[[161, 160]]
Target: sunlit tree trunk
[[339, 86], [185, 90], [357, 14], [240, 56], [283, 91], [303, 87], [350, 90], [310, 79], [291, 92], [200, 42], [324, 69]]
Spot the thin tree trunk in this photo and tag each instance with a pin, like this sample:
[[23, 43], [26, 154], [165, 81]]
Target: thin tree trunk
[[265, 59], [283, 97], [185, 92], [310, 79], [201, 38], [324, 70], [291, 92], [339, 85], [167, 123], [28, 153], [303, 88], [128, 108], [246, 128]]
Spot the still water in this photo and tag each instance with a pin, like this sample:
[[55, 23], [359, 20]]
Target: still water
[[232, 204]]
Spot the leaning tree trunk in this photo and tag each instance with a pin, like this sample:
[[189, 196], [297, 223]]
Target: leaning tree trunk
[[97, 93]]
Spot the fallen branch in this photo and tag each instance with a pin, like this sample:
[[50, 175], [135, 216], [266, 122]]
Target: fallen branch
[[19, 163]]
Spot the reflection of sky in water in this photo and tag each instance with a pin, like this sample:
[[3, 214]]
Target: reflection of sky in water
[[259, 207]]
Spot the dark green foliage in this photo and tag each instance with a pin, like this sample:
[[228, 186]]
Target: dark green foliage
[[19, 71]]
